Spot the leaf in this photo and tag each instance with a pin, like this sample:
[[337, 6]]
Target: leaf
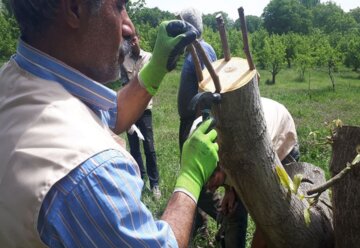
[[311, 201], [284, 178], [297, 181], [313, 134], [338, 123], [307, 216], [356, 160], [301, 197]]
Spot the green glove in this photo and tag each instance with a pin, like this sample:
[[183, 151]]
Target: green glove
[[172, 38], [198, 160]]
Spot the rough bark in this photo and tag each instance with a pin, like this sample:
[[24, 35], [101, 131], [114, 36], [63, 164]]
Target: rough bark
[[345, 197], [249, 161]]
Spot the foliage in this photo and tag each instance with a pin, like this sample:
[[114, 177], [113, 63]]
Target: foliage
[[355, 13], [147, 36], [325, 55], [274, 53], [210, 20], [235, 41], [213, 38], [331, 18], [291, 41], [257, 45], [303, 59], [349, 46], [8, 32], [253, 23], [284, 16], [310, 3], [5, 4]]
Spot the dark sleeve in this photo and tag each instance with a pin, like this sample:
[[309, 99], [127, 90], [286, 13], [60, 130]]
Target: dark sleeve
[[188, 87], [124, 79]]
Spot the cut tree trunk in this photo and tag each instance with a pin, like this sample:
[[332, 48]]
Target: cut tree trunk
[[249, 161], [345, 198]]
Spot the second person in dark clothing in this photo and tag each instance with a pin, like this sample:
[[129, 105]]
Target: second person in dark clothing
[[142, 129]]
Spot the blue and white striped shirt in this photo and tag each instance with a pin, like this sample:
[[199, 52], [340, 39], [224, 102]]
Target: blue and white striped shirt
[[98, 203]]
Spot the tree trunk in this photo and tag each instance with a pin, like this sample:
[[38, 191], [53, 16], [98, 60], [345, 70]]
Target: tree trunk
[[345, 198], [249, 161]]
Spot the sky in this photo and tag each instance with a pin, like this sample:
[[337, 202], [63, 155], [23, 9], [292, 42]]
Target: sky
[[251, 7]]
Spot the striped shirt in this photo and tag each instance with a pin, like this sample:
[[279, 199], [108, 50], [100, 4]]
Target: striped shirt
[[98, 203]]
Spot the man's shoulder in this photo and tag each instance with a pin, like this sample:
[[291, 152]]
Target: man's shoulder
[[205, 44], [209, 49]]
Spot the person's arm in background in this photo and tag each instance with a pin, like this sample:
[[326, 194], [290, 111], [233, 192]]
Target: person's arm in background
[[132, 100]]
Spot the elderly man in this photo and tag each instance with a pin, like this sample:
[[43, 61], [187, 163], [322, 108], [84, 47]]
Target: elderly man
[[64, 181]]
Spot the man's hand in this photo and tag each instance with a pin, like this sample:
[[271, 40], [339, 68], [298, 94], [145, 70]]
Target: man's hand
[[216, 180], [229, 202], [172, 38], [198, 160]]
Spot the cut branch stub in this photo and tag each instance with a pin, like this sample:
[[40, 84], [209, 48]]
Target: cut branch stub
[[197, 64], [245, 38], [205, 59], [224, 42]]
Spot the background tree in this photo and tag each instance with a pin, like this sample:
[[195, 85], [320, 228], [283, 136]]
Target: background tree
[[355, 13], [290, 41], [213, 38], [9, 32], [284, 16], [349, 46], [257, 44], [5, 5], [209, 20], [151, 16], [310, 3], [274, 52], [253, 23], [303, 59], [327, 56], [330, 18], [235, 43]]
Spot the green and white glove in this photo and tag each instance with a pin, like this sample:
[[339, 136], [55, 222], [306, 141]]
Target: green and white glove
[[198, 161], [172, 38]]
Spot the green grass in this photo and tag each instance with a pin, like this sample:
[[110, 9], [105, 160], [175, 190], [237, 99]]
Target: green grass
[[311, 109]]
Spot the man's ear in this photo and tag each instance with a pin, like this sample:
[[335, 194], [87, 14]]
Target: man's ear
[[72, 10]]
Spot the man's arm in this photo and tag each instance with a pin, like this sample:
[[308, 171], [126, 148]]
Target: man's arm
[[131, 101], [179, 214], [198, 161], [172, 38]]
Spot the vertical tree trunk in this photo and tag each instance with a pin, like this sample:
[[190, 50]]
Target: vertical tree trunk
[[273, 77], [249, 161], [346, 198]]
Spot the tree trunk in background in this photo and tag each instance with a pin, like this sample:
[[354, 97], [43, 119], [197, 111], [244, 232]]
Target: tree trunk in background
[[249, 161], [345, 197]]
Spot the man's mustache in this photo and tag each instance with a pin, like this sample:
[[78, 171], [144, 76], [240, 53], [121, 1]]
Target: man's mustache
[[125, 48]]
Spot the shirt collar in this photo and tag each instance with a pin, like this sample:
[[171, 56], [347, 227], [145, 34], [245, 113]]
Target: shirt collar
[[76, 83]]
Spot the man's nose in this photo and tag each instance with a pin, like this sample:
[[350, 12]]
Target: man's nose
[[128, 28]]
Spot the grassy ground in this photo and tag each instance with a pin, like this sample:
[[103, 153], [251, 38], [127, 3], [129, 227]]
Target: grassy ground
[[312, 104]]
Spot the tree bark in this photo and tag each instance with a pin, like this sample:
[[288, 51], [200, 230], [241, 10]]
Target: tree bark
[[345, 198], [249, 161]]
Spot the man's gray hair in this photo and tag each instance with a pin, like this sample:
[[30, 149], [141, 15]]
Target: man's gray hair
[[35, 15], [194, 17]]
